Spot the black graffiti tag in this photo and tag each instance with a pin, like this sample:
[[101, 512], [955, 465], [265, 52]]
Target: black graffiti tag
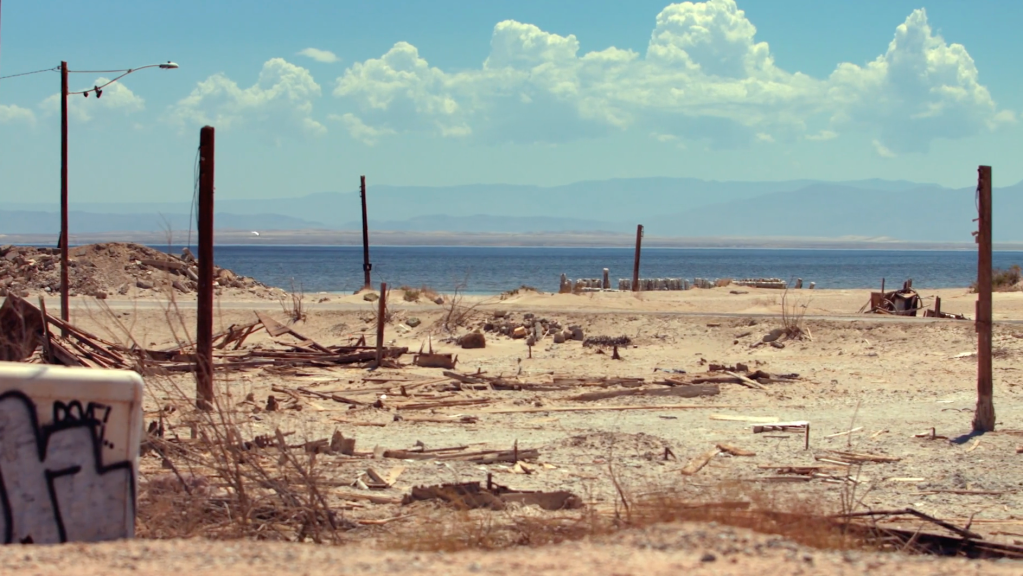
[[54, 486]]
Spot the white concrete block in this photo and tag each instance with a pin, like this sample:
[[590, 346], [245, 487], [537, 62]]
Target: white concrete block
[[69, 445]]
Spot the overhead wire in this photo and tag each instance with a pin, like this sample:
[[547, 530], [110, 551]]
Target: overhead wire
[[54, 69]]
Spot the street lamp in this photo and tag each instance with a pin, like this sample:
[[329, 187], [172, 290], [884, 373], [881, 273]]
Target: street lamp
[[98, 90]]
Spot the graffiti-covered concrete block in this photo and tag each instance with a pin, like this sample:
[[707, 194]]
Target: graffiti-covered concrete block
[[69, 444]]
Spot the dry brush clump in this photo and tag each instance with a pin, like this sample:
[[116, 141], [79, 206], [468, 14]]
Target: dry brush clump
[[215, 477], [222, 482], [1004, 279]]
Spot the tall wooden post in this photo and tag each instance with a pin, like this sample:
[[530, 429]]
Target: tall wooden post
[[984, 416], [366, 266], [381, 317], [635, 265], [204, 314], [64, 288]]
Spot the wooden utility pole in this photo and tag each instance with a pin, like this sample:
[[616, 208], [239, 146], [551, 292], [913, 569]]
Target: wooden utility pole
[[381, 318], [366, 266], [984, 416], [64, 288], [635, 265], [204, 314]]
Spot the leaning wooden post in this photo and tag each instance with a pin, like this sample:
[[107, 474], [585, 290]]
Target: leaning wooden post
[[381, 313], [635, 265], [984, 415], [204, 312]]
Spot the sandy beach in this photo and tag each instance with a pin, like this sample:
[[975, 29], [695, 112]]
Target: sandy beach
[[899, 388]]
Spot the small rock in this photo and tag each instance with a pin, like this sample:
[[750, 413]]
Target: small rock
[[559, 337], [773, 335], [519, 332], [708, 557], [500, 313], [778, 345], [439, 300], [413, 321], [577, 333], [179, 286], [370, 297], [143, 284], [473, 340], [100, 295]]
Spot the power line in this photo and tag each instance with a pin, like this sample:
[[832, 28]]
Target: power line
[[54, 69]]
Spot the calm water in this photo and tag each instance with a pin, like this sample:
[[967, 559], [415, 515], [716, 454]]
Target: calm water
[[488, 270]]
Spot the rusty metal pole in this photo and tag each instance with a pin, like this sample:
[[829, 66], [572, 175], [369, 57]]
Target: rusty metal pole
[[204, 314], [984, 416], [635, 265], [366, 266], [381, 317], [64, 300]]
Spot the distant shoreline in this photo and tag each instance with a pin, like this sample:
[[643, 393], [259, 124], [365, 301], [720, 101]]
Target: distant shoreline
[[476, 239]]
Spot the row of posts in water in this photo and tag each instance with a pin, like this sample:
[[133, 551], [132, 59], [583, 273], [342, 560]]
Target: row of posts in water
[[660, 284]]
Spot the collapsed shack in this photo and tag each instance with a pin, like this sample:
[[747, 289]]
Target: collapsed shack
[[26, 329]]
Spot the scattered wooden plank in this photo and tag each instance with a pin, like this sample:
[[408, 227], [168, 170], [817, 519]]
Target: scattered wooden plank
[[697, 463], [746, 381], [604, 408], [677, 391], [735, 450], [738, 418], [846, 433]]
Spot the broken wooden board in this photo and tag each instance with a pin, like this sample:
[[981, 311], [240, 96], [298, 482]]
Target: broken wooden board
[[676, 391], [697, 463]]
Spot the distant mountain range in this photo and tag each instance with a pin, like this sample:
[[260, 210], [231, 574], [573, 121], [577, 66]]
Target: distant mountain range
[[667, 207]]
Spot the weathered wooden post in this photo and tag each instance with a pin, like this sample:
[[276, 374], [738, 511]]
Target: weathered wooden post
[[204, 306], [366, 266], [607, 280], [381, 314], [984, 416], [635, 265]]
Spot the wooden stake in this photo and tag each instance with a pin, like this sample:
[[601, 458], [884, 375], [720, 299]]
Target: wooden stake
[[635, 265], [204, 305], [381, 313], [984, 416]]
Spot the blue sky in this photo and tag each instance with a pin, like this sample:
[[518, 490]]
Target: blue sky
[[306, 96]]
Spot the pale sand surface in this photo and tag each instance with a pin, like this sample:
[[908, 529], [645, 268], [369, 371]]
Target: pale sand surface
[[892, 377]]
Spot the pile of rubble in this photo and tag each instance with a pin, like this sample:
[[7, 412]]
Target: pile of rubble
[[530, 326], [102, 270]]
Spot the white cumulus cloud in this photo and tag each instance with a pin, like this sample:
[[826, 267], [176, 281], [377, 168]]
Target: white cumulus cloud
[[704, 77], [324, 56], [116, 97], [360, 130], [10, 114], [283, 94]]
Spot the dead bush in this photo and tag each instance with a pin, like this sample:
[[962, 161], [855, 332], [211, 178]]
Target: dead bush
[[1004, 279]]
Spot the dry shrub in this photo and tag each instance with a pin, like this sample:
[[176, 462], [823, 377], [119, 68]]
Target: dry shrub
[[219, 480], [293, 304], [792, 313], [220, 485], [1003, 279], [722, 282], [459, 313]]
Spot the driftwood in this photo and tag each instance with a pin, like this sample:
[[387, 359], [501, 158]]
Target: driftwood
[[605, 408], [678, 391]]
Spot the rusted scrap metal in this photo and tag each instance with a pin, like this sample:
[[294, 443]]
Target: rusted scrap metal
[[470, 495], [430, 359], [902, 302], [937, 313]]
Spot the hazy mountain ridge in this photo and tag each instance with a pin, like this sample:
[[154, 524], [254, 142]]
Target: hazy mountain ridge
[[672, 207]]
